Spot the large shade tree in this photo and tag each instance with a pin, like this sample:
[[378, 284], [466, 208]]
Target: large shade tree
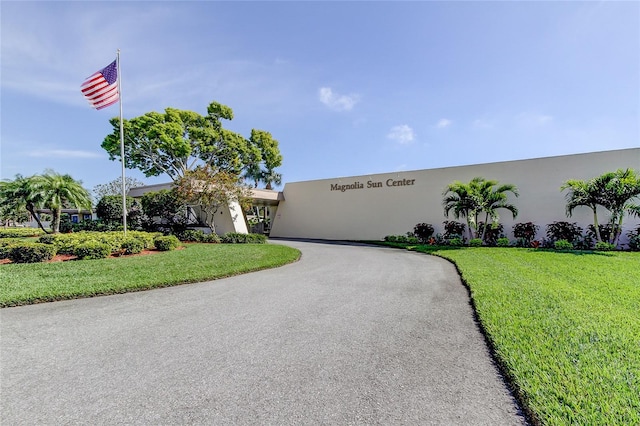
[[177, 141], [262, 168]]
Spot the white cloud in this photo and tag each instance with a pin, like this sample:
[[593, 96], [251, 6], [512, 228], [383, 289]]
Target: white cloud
[[443, 123], [533, 119], [482, 123], [402, 134], [64, 153], [337, 101]]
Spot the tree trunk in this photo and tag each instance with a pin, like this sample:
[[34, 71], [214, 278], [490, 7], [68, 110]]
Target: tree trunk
[[35, 215], [57, 215], [597, 225]]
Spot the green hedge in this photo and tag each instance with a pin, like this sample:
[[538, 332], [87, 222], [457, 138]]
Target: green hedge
[[92, 250], [6, 244], [20, 232], [67, 243], [238, 238], [31, 252], [132, 245], [166, 243]]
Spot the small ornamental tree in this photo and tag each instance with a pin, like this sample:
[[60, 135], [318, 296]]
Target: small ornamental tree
[[210, 189], [164, 211]]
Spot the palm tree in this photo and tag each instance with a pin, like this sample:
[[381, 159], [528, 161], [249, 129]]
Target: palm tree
[[24, 192], [479, 196], [621, 189], [458, 197], [489, 199], [588, 193], [270, 176], [58, 191]]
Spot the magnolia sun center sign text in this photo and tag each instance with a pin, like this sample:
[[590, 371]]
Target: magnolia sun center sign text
[[392, 183]]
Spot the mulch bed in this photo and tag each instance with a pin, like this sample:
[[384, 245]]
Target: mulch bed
[[68, 257]]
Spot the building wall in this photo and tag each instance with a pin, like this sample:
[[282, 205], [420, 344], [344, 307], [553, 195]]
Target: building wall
[[371, 207]]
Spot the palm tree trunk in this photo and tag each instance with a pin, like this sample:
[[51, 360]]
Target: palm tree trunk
[[596, 225], [56, 220], [484, 228], [36, 216]]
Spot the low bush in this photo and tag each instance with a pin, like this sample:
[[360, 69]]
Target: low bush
[[191, 235], [525, 233], [423, 232], [453, 229], [493, 232], [6, 244], [476, 242], [238, 238], [563, 245], [20, 232], [166, 243], [211, 238], [604, 246], [502, 242], [132, 245], [634, 239], [456, 242], [28, 252], [92, 250], [570, 232]]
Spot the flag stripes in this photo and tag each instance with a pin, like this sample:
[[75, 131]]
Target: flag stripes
[[101, 88]]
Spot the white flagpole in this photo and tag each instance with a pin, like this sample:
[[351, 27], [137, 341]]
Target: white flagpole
[[124, 194]]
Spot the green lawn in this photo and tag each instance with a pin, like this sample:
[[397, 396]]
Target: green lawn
[[565, 327], [22, 284]]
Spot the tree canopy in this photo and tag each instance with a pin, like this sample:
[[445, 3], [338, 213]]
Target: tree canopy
[[50, 190], [617, 192], [115, 187], [177, 141], [471, 200]]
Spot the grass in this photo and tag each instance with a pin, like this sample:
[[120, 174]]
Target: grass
[[564, 327], [22, 284]]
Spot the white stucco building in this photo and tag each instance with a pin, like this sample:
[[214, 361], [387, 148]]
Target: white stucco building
[[369, 207]]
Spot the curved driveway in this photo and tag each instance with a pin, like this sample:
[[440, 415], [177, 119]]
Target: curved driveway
[[347, 335]]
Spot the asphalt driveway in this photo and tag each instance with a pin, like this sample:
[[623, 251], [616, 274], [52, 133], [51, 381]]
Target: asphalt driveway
[[347, 335]]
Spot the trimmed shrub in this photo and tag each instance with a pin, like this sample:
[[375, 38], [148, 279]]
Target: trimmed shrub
[[564, 231], [502, 242], [456, 242], [453, 229], [6, 244], [493, 232], [603, 246], [476, 242], [31, 252], [423, 232], [20, 232], [191, 235], [525, 233], [132, 245], [211, 238], [238, 238], [166, 243], [92, 250], [634, 239], [563, 245]]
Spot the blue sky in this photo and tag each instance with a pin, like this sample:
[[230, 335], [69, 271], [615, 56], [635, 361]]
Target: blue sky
[[347, 88]]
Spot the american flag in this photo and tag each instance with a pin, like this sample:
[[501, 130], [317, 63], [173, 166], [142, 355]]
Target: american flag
[[101, 88]]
